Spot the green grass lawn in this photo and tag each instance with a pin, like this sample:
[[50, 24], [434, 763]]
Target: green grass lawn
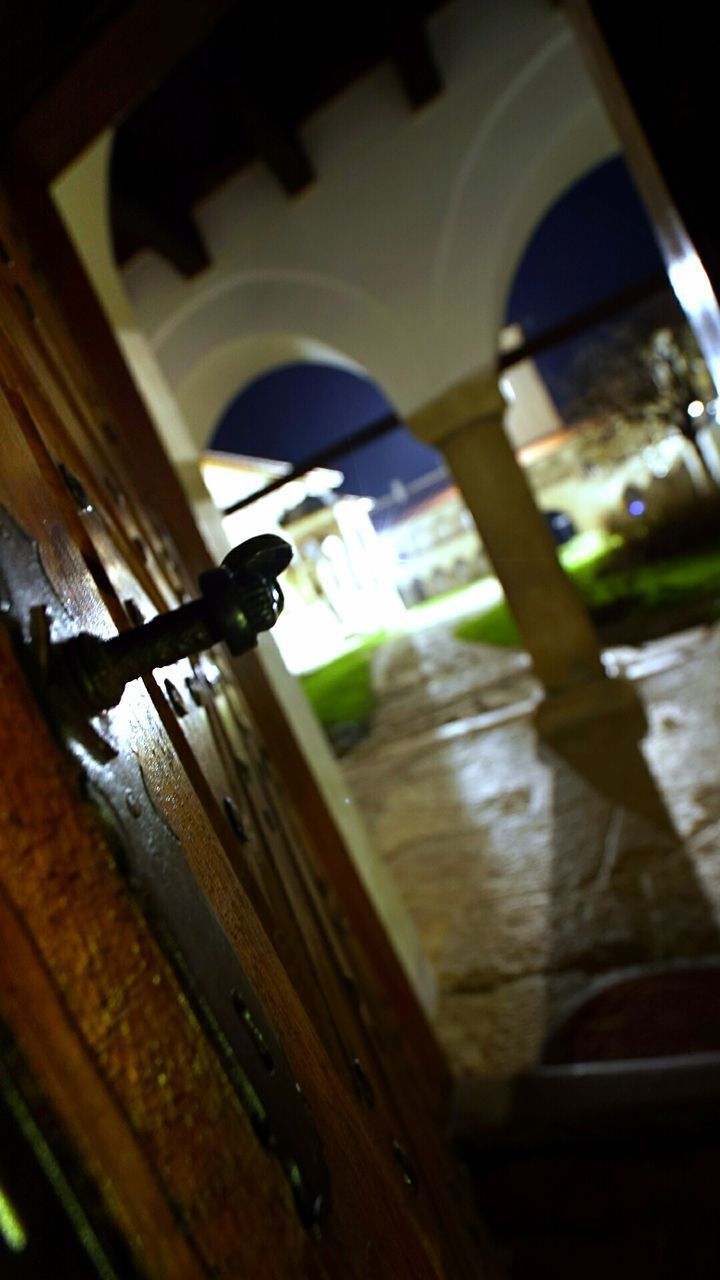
[[645, 591], [341, 692]]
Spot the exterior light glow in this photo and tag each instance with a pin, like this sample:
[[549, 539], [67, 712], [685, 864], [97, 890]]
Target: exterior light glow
[[695, 409], [690, 284], [636, 508], [11, 1228]]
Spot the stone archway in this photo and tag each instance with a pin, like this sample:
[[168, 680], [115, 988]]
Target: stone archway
[[261, 316], [214, 381], [544, 132]]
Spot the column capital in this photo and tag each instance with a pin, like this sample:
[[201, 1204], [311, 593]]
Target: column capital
[[459, 406]]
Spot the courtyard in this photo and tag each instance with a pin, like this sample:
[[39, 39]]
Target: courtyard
[[524, 881]]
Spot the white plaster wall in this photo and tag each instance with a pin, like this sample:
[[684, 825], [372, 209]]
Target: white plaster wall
[[400, 256]]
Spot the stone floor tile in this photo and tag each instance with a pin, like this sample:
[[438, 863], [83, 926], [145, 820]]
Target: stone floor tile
[[524, 882]]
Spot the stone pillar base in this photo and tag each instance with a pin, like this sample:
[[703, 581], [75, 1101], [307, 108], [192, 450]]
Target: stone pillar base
[[566, 712], [597, 728]]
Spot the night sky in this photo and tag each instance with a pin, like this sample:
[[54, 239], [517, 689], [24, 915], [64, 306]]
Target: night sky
[[595, 241], [292, 412]]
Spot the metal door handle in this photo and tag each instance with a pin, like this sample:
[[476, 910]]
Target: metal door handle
[[239, 599]]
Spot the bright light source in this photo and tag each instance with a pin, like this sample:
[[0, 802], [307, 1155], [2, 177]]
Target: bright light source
[[11, 1228], [690, 284], [653, 458], [695, 409], [636, 508]]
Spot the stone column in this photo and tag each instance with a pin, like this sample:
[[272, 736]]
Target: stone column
[[467, 424], [596, 723]]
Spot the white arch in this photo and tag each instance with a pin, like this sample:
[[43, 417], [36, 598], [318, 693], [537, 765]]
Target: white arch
[[213, 383], [545, 131], [331, 314], [542, 132], [419, 319]]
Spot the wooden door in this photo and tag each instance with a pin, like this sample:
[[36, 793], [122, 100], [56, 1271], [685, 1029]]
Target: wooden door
[[212, 1064]]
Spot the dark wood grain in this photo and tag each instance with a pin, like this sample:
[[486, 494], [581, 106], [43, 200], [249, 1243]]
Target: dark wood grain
[[153, 1115]]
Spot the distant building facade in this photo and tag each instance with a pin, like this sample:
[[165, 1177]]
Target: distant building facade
[[340, 585], [433, 542]]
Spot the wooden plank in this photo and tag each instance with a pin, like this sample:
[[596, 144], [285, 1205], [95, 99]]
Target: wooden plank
[[277, 146], [83, 920], [110, 75], [66, 303], [340, 872], [132, 436], [94, 1121], [108, 1034], [161, 225], [416, 65], [128, 1009]]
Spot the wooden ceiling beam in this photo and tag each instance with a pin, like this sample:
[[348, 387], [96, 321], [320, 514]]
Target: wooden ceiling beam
[[277, 145], [169, 230], [107, 78], [403, 33], [415, 63]]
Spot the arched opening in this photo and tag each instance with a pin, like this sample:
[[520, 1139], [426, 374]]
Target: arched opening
[[342, 589], [384, 545], [612, 411]]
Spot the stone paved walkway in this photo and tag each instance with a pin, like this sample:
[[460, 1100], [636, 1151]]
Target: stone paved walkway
[[523, 881]]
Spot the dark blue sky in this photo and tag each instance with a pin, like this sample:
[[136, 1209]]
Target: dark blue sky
[[595, 241], [293, 412]]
